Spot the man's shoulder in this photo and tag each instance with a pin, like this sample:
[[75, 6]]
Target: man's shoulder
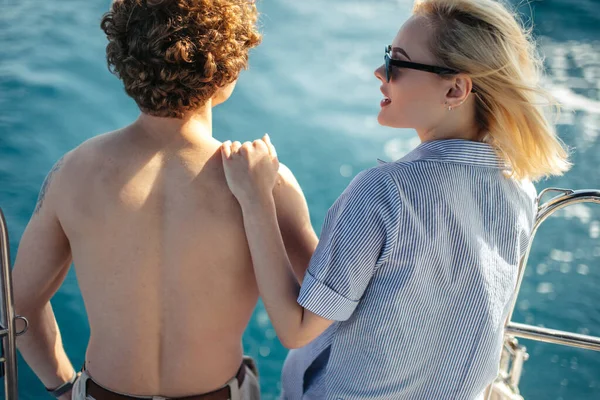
[[67, 174], [85, 158], [288, 195], [286, 178]]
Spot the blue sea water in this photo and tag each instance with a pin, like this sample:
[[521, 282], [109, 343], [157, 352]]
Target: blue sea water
[[311, 86]]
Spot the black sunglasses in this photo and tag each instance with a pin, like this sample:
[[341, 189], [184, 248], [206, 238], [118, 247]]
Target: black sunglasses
[[390, 62]]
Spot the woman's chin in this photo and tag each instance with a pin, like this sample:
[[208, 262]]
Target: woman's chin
[[383, 119], [391, 121]]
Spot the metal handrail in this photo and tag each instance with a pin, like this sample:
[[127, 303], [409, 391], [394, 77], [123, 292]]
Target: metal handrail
[[514, 354], [7, 317], [545, 210], [553, 336]]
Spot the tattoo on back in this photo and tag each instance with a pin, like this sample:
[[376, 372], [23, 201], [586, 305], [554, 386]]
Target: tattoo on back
[[46, 184]]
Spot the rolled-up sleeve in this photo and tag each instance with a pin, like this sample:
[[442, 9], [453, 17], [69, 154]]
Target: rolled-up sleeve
[[359, 232]]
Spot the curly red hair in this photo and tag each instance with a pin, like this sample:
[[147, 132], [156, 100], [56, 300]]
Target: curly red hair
[[173, 55]]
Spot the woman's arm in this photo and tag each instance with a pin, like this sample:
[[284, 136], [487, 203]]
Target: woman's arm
[[279, 288], [252, 171]]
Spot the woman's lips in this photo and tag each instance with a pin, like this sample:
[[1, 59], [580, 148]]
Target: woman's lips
[[386, 100]]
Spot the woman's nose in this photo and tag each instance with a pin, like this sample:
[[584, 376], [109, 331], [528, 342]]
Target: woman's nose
[[380, 73]]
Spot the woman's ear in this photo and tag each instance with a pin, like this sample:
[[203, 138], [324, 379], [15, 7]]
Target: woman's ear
[[459, 90]]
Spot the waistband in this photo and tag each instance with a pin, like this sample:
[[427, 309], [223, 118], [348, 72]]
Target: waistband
[[97, 392]]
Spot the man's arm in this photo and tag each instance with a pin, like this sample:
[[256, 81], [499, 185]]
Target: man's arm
[[42, 262], [294, 222]]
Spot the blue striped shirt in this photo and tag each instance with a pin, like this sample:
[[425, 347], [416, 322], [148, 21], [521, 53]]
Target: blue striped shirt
[[417, 263]]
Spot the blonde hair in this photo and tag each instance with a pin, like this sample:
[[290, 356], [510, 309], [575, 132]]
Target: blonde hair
[[483, 39]]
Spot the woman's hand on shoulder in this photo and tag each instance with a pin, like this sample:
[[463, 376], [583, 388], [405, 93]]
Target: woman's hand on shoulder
[[251, 169]]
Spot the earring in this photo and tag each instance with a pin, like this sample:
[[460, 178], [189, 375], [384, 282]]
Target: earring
[[449, 108]]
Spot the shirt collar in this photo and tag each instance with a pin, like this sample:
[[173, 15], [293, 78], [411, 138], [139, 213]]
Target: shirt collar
[[456, 151]]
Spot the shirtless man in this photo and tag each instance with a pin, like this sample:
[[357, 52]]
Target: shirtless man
[[146, 216]]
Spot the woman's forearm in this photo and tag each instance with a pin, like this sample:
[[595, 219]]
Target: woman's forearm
[[277, 284]]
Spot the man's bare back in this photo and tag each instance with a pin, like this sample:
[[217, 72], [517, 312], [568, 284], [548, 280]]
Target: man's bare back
[[162, 262], [161, 258]]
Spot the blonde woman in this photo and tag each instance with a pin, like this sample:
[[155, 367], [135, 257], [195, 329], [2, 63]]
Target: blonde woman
[[406, 294]]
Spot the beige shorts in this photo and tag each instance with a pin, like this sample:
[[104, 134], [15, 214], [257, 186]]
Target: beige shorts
[[250, 389]]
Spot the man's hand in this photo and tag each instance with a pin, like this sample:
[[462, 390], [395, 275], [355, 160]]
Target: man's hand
[[250, 169]]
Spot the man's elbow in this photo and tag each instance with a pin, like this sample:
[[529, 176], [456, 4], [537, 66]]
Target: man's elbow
[[28, 307]]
